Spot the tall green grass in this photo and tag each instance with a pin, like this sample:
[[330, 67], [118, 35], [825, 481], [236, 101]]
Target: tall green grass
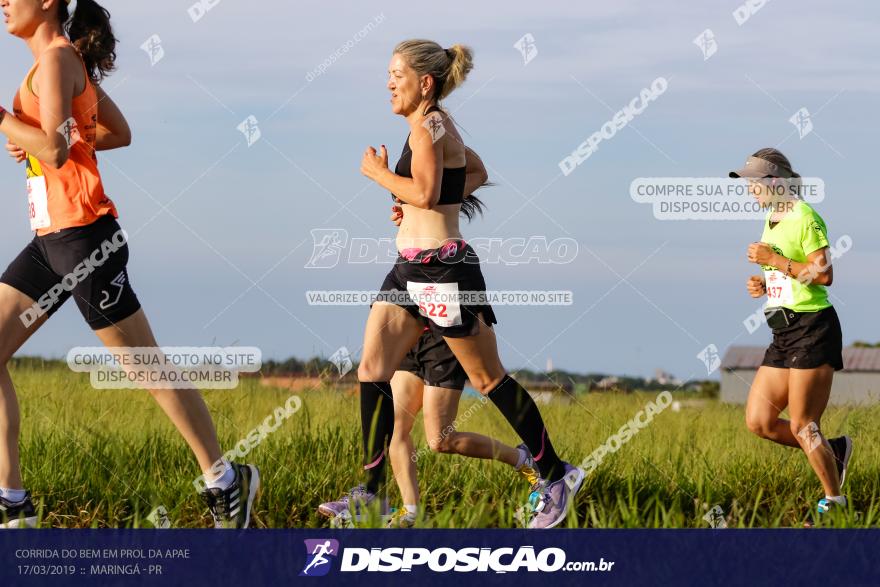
[[107, 458]]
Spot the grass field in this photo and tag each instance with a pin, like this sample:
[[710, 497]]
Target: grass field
[[107, 458]]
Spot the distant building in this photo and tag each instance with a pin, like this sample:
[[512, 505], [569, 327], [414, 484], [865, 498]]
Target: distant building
[[608, 382], [858, 383], [549, 390], [664, 378]]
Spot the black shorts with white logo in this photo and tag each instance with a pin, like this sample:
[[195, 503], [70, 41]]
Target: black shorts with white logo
[[433, 362], [87, 263], [455, 266], [811, 340]]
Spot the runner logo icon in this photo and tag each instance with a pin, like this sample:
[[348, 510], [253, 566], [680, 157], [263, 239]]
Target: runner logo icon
[[328, 244], [318, 553], [119, 283]]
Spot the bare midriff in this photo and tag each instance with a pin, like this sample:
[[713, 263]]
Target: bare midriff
[[428, 228]]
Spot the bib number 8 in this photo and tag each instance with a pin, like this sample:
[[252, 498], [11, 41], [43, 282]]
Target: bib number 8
[[38, 203]]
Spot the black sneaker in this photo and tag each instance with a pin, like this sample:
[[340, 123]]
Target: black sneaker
[[18, 515], [842, 447], [231, 507]]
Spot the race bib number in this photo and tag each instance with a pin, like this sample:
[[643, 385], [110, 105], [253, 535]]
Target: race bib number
[[779, 291], [38, 202], [438, 302]]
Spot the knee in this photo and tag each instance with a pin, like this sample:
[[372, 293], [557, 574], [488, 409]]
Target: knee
[[804, 429], [398, 440], [758, 425], [443, 444], [402, 432], [371, 370], [484, 382]]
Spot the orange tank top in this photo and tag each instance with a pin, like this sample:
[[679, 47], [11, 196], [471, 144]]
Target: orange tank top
[[72, 195]]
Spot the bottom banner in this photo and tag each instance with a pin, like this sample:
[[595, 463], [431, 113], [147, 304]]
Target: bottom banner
[[436, 557]]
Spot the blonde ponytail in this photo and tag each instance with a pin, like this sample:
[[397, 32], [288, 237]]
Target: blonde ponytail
[[448, 67], [460, 65]]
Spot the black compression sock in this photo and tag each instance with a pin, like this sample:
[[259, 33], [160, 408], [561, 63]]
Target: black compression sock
[[377, 426], [521, 412]]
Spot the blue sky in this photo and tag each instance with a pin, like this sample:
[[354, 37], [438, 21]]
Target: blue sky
[[236, 215]]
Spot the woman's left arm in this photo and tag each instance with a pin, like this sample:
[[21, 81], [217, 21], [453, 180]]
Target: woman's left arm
[[816, 270], [113, 131], [475, 172]]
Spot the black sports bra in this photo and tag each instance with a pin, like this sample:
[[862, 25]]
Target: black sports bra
[[452, 182]]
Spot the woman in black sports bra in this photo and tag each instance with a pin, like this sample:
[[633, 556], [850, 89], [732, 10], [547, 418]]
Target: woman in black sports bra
[[453, 179], [437, 278]]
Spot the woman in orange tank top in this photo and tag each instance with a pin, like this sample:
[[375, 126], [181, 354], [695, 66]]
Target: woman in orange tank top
[[61, 118]]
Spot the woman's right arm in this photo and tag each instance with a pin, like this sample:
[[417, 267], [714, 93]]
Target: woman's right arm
[[56, 80], [113, 131], [423, 189]]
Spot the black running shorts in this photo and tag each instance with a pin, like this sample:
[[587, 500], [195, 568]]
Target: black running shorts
[[813, 339], [87, 263], [454, 267], [432, 361]]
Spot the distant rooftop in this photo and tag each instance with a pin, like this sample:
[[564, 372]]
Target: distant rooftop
[[750, 357]]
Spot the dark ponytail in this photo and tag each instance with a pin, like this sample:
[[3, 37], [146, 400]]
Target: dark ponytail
[[90, 32], [472, 205]]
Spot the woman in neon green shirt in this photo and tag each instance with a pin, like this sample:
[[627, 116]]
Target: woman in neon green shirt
[[799, 365]]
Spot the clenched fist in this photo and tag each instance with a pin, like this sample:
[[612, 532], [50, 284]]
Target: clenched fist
[[756, 286]]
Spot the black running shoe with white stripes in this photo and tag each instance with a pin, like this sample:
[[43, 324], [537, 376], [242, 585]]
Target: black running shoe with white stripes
[[842, 447], [231, 507], [18, 515]]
